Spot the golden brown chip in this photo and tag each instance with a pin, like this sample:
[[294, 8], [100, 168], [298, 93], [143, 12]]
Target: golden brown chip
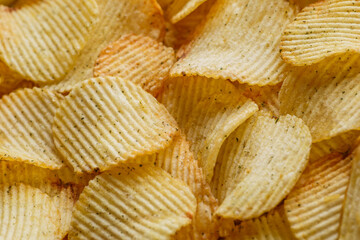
[[106, 121], [7, 2], [314, 206], [303, 3], [117, 17], [321, 30], [134, 202], [238, 41], [137, 58], [259, 164], [179, 9]]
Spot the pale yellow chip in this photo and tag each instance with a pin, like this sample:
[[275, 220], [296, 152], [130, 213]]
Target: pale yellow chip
[[321, 30], [239, 41], [270, 226], [107, 120], [259, 164], [350, 220], [314, 206], [134, 202], [40, 40], [137, 58], [117, 17], [179, 9], [25, 127], [325, 95]]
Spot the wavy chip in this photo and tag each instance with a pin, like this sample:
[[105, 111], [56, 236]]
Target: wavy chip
[[136, 202], [179, 9], [259, 164], [25, 127], [314, 206], [322, 30], [116, 18], [239, 41], [137, 58], [40, 40], [106, 121], [325, 96]]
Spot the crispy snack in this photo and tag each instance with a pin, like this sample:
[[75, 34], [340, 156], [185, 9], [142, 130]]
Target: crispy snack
[[137, 58], [117, 17], [314, 206], [135, 202], [350, 225], [238, 41], [270, 226], [179, 9], [179, 161], [259, 164], [8, 79], [325, 96], [27, 213], [25, 127], [106, 121], [40, 40], [321, 30], [303, 3], [7, 2]]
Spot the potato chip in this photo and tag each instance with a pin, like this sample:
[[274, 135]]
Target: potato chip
[[303, 3], [321, 30], [108, 120], [40, 40], [8, 79], [137, 58], [314, 206], [6, 2], [179, 9], [179, 161], [133, 202], [259, 164], [270, 226], [164, 3], [239, 41], [117, 17], [350, 222]]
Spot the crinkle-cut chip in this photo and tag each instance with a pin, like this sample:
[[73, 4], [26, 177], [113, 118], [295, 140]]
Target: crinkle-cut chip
[[303, 3], [259, 164], [350, 222], [134, 201], [270, 226], [238, 41], [322, 30], [27, 213], [211, 121], [342, 143], [325, 96], [180, 163], [117, 17], [179, 9], [107, 120], [25, 127], [40, 40], [8, 79], [314, 206], [137, 58]]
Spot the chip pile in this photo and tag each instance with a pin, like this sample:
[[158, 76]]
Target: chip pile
[[179, 119]]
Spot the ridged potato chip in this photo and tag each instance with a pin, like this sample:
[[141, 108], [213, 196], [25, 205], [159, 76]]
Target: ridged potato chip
[[179, 9], [116, 18], [107, 120], [134, 202], [259, 164], [8, 79], [239, 41], [314, 206], [137, 58], [40, 40], [25, 127], [323, 29], [325, 96]]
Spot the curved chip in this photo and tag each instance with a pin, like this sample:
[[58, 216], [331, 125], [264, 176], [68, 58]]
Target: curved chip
[[41, 39], [325, 96], [179, 9], [6, 2], [259, 164], [314, 206], [25, 127], [137, 58], [239, 41], [134, 202], [303, 3], [27, 213], [116, 18], [8, 79], [105, 121], [321, 30]]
